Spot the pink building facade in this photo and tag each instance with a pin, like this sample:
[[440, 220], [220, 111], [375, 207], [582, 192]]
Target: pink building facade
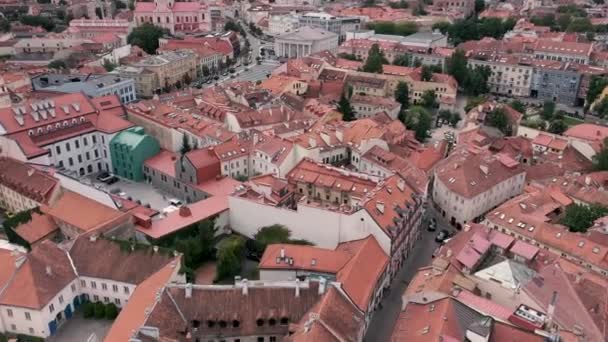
[[174, 16]]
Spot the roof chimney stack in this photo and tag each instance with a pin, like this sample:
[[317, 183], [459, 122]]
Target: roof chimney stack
[[322, 285], [245, 287], [297, 288], [184, 211], [49, 270], [282, 253], [188, 290]]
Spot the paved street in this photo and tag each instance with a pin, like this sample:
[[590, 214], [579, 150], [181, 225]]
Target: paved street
[[384, 319], [256, 72]]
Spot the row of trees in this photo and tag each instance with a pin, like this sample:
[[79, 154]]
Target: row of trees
[[473, 80], [100, 310], [403, 28], [474, 28], [146, 37]]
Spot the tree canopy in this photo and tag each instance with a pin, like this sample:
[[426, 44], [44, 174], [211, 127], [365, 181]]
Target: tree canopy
[[457, 66], [419, 120], [476, 80], [518, 106], [429, 99], [229, 257], [600, 160], [474, 28], [548, 110], [375, 60], [344, 107], [36, 20], [579, 217], [427, 73], [402, 95], [146, 37], [596, 85], [403, 28], [403, 60], [499, 119]]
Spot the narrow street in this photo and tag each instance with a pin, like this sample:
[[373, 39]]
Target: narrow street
[[384, 319]]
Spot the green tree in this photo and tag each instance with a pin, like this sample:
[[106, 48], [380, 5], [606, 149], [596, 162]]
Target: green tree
[[476, 80], [600, 160], [579, 217], [404, 28], [229, 257], [349, 56], [109, 65], [580, 25], [36, 20], [146, 37], [601, 109], [596, 86], [230, 25], [563, 21], [185, 148], [400, 4], [474, 101], [457, 65], [375, 60], [442, 26], [546, 20], [88, 309], [403, 60], [98, 12], [273, 234], [429, 99], [100, 310], [548, 110], [402, 95], [419, 120], [426, 73], [132, 5], [119, 4], [5, 25], [57, 64], [206, 71], [499, 119], [557, 126], [480, 5], [518, 106], [344, 107], [454, 119], [111, 311], [369, 3]]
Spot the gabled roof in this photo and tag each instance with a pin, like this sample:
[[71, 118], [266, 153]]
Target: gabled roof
[[45, 271]]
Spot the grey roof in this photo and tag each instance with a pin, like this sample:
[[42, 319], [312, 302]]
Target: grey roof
[[482, 327], [73, 83], [424, 37], [308, 33], [465, 316]]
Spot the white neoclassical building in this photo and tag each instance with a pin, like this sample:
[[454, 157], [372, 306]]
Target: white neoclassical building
[[305, 41]]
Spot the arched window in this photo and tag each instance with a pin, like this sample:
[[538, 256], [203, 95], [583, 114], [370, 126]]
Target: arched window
[[223, 324], [259, 322], [272, 322], [284, 321], [30, 132], [210, 324], [236, 324]]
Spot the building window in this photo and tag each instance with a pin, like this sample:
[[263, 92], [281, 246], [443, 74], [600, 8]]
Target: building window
[[83, 283], [73, 287], [94, 139], [61, 299], [115, 288], [9, 312], [28, 316], [67, 146], [31, 330], [13, 327], [104, 286], [77, 144], [93, 285], [58, 149], [51, 308], [106, 299], [126, 288], [96, 298]]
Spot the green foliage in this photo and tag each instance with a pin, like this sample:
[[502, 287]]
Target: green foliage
[[369, 3], [573, 10], [442, 26], [474, 28], [185, 148], [454, 119], [231, 25], [557, 126], [119, 4], [57, 64], [499, 119], [419, 120], [349, 56], [579, 217], [100, 310], [344, 107], [518, 106], [146, 37], [402, 95], [476, 80], [480, 5], [109, 65], [596, 85], [111, 311], [5, 25], [535, 123], [10, 225], [403, 60], [270, 235], [403, 28], [474, 101], [545, 20], [457, 66], [36, 20], [375, 60], [229, 257], [600, 160], [429, 99], [419, 9], [427, 73], [400, 4], [548, 110], [601, 109], [88, 309], [29, 338], [580, 25]]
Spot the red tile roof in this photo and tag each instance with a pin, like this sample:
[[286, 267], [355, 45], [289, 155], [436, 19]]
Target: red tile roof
[[40, 227], [27, 180], [180, 219]]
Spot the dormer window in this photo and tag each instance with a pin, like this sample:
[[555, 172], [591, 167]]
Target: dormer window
[[30, 132], [236, 324], [259, 322], [210, 324]]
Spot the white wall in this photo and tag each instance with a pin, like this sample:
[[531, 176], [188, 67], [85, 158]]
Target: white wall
[[324, 228], [86, 285]]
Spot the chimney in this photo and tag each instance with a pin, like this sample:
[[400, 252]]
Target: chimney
[[322, 285], [297, 288], [20, 260], [466, 228], [93, 238], [30, 172], [255, 139], [551, 312], [184, 211], [188, 290], [282, 253], [155, 249], [49, 270], [380, 207], [448, 253], [245, 287], [587, 180]]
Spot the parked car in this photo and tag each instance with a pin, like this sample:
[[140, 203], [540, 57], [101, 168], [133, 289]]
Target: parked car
[[175, 202], [432, 226], [103, 176], [112, 180], [442, 236]]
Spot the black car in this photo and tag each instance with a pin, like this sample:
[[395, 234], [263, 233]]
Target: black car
[[103, 175], [112, 180], [442, 236], [432, 226]]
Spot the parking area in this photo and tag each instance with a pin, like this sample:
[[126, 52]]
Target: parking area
[[79, 329], [257, 72], [138, 192]]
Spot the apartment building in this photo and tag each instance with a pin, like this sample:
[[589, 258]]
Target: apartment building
[[129, 149], [368, 106], [24, 187], [469, 184], [154, 73], [89, 28], [460, 8], [282, 23], [175, 16], [91, 84], [46, 45], [551, 50], [555, 81], [70, 132], [511, 75]]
